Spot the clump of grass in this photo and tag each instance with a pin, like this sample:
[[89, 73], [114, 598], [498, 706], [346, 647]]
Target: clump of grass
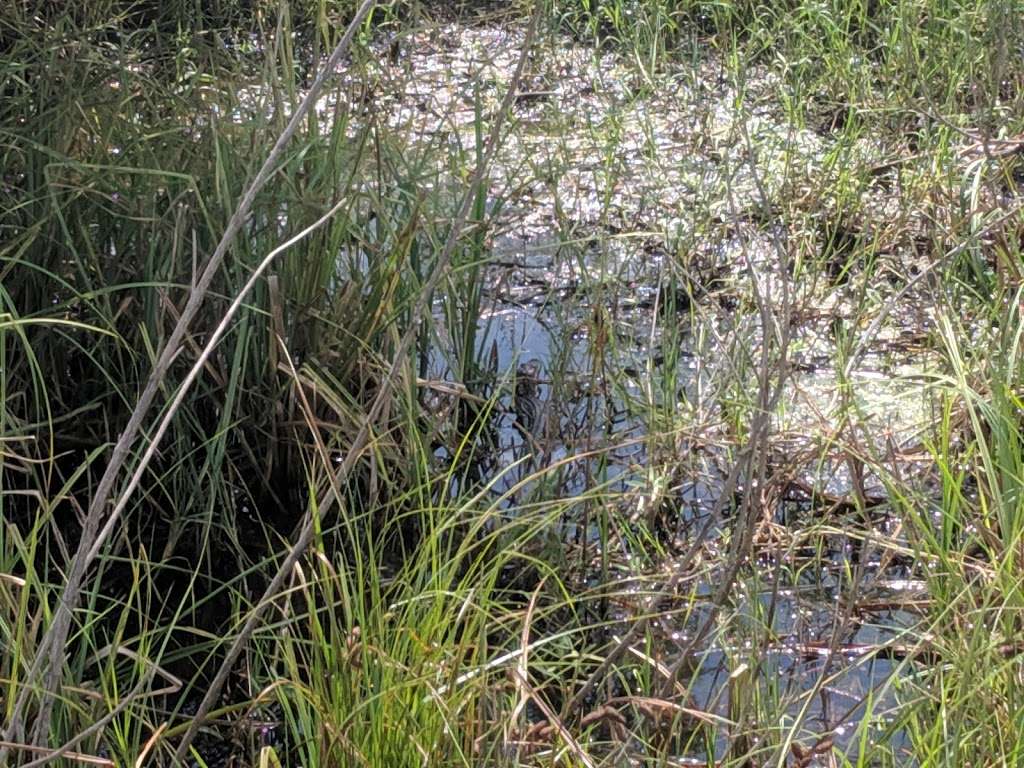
[[109, 217]]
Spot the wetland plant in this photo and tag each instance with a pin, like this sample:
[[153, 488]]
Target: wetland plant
[[584, 383]]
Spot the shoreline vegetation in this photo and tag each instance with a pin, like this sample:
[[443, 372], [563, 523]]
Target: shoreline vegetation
[[609, 382]]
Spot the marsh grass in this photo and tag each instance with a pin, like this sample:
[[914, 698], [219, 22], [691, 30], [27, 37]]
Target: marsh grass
[[448, 614]]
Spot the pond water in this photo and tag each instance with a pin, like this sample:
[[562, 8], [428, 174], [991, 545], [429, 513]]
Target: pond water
[[638, 228]]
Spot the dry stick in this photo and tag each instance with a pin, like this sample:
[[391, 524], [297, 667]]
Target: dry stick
[[78, 757], [50, 652], [362, 437], [523, 663]]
